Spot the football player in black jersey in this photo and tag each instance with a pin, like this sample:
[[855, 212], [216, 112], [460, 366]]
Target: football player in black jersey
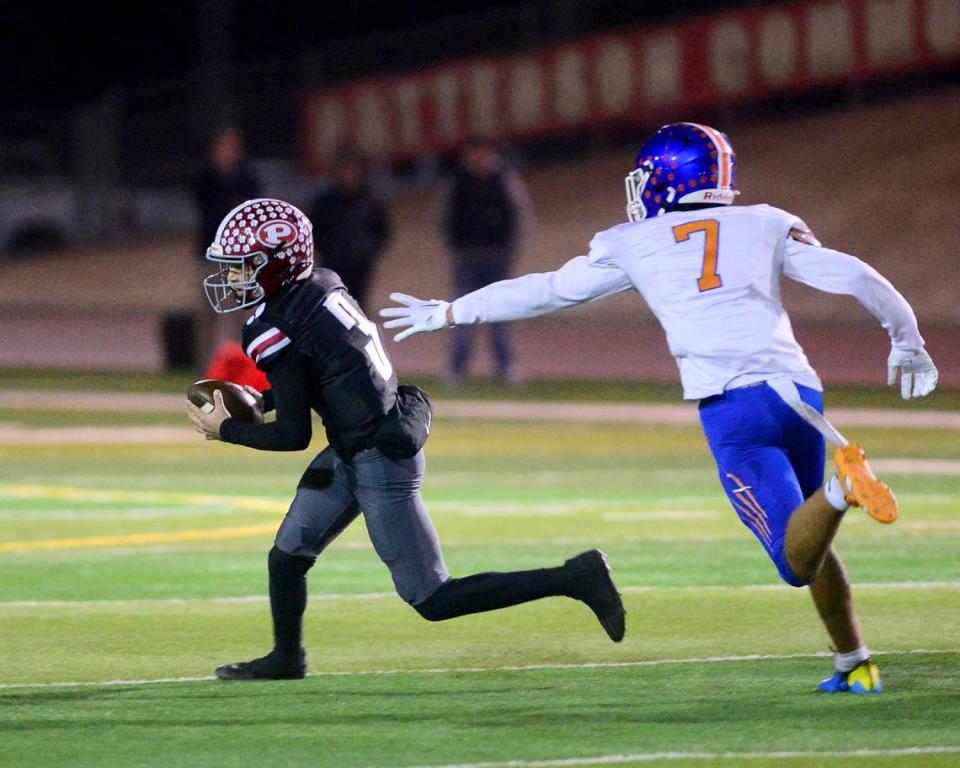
[[320, 352]]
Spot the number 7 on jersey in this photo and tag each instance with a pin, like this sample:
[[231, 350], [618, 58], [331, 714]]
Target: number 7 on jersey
[[709, 277]]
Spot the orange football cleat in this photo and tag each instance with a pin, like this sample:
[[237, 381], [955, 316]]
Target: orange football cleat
[[861, 487]]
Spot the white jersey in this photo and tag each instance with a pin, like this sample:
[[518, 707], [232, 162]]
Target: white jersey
[[712, 278]]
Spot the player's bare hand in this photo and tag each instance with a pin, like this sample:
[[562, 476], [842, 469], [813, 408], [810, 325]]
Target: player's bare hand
[[208, 424], [918, 374], [256, 394], [416, 315]]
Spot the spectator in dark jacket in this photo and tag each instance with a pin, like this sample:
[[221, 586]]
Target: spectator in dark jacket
[[484, 215], [351, 225], [224, 182]]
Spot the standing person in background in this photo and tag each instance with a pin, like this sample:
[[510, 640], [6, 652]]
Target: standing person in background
[[352, 225], [485, 213], [225, 181]]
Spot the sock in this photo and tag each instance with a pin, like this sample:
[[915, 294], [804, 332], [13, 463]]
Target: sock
[[835, 495], [844, 662], [489, 591], [288, 599]]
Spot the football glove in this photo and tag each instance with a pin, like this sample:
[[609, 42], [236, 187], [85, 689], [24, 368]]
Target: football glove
[[918, 374], [416, 315]]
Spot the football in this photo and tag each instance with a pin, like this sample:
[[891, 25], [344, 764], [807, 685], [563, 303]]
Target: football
[[240, 403]]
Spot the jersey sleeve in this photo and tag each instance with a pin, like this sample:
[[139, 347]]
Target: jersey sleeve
[[292, 429], [264, 343], [840, 273], [582, 279]]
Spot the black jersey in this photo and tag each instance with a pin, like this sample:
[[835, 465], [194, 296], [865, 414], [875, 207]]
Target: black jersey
[[319, 351]]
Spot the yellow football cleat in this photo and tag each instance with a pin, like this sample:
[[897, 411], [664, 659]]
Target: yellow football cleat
[[861, 487], [863, 678]]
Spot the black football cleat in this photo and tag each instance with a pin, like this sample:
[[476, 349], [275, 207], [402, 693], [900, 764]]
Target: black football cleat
[[592, 583], [273, 666]]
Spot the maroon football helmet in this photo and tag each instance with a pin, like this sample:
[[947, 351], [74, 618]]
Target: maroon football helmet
[[267, 244]]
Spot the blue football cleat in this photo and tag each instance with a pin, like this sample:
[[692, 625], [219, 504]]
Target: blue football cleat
[[835, 684], [863, 678]]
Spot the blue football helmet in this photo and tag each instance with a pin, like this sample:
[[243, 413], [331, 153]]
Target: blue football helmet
[[682, 163]]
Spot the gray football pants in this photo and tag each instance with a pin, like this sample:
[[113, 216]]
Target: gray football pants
[[331, 495]]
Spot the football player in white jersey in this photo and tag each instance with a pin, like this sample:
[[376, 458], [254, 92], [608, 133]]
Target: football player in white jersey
[[711, 274]]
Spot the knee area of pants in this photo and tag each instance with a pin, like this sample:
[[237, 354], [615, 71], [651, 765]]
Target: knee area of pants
[[428, 611], [280, 563], [436, 607], [788, 574]]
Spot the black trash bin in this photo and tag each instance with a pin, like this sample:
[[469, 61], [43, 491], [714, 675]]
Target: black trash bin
[[179, 343]]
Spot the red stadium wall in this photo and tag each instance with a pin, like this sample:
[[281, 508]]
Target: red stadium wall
[[632, 77]]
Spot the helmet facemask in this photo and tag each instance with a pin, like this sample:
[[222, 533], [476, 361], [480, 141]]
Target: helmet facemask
[[636, 182], [225, 292]]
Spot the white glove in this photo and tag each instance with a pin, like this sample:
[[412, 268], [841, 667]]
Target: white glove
[[419, 315], [918, 374]]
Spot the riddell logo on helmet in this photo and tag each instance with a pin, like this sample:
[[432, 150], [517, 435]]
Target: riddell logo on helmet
[[720, 196], [276, 233]]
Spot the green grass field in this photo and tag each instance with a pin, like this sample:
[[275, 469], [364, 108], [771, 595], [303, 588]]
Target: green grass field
[[129, 571]]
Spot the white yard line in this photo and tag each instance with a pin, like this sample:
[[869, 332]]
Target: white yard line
[[651, 515], [943, 467], [655, 757], [153, 601], [25, 399], [780, 587], [19, 435], [681, 414], [516, 668], [499, 410], [516, 510], [931, 525]]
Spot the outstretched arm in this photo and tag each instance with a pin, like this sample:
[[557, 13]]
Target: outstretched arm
[[836, 272], [580, 280]]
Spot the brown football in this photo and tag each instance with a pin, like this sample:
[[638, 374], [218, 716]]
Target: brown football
[[240, 403]]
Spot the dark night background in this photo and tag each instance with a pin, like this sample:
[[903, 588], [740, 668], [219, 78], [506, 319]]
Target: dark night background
[[57, 56]]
